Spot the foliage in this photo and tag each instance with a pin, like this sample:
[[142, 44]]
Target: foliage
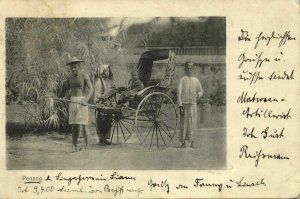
[[219, 97], [37, 50], [36, 54], [210, 31], [214, 87]]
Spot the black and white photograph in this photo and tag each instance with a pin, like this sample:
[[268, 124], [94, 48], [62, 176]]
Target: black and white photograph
[[116, 93]]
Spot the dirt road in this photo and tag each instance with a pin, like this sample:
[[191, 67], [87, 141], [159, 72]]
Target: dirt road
[[50, 152]]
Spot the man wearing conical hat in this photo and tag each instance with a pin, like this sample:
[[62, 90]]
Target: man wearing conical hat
[[79, 84]]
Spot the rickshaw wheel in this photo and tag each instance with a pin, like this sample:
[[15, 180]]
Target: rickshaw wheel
[[122, 125], [156, 120]]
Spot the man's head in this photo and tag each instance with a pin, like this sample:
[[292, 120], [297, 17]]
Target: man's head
[[105, 71], [188, 67], [134, 75], [75, 68], [74, 64]]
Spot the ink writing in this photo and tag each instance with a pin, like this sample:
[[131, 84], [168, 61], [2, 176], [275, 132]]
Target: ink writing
[[259, 154], [266, 113]]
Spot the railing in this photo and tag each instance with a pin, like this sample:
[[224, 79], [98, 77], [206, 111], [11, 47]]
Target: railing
[[193, 50]]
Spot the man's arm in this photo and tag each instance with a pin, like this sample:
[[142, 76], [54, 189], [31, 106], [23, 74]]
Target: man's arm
[[179, 92], [140, 85], [137, 86], [90, 86], [199, 89], [179, 99], [66, 89]]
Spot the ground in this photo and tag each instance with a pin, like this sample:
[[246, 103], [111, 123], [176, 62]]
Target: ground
[[53, 151]]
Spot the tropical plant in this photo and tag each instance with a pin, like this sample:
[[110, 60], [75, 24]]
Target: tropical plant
[[37, 52]]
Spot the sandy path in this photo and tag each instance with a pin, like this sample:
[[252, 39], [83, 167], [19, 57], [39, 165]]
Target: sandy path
[[43, 152]]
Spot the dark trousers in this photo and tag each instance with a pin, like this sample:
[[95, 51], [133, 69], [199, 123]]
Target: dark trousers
[[104, 124]]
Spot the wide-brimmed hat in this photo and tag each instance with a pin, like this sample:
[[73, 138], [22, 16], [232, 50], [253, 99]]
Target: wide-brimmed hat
[[73, 61]]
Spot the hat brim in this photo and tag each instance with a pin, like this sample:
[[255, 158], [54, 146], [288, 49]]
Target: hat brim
[[74, 62]]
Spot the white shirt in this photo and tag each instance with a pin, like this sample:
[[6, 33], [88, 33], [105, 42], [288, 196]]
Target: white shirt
[[189, 89]]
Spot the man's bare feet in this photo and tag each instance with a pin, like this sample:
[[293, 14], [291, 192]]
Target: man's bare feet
[[74, 149], [183, 145], [192, 144]]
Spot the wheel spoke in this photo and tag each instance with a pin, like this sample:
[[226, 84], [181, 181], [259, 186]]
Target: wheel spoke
[[164, 113], [169, 132], [147, 109], [125, 127], [153, 108], [113, 121], [160, 107], [122, 130], [167, 125], [156, 108], [165, 131], [148, 133], [143, 106], [150, 117], [161, 135], [114, 124], [151, 104], [156, 136], [152, 137], [128, 122], [164, 107], [139, 133], [117, 132]]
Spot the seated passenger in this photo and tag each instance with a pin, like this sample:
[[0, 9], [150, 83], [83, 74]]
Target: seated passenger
[[134, 86]]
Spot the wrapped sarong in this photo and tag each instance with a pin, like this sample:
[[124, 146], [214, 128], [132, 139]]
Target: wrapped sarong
[[78, 114], [188, 123]]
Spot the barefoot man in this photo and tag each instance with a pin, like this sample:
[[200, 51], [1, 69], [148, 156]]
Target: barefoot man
[[189, 90], [80, 91]]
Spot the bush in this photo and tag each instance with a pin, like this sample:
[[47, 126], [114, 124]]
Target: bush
[[219, 97], [36, 54]]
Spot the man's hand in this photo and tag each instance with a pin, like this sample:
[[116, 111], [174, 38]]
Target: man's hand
[[181, 110], [101, 99], [85, 101], [199, 95]]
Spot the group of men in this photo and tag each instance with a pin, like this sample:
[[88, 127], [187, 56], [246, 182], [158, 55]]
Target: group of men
[[81, 91]]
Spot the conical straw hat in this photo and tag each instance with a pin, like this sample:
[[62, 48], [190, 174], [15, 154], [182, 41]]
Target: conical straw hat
[[74, 60]]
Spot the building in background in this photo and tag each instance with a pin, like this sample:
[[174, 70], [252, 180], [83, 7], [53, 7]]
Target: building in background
[[201, 41]]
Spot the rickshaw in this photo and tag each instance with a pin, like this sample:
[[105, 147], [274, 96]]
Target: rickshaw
[[151, 114]]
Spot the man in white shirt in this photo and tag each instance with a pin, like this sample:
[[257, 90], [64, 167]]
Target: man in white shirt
[[189, 90]]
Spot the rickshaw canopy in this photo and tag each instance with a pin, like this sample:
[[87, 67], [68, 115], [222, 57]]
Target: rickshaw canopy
[[145, 66]]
